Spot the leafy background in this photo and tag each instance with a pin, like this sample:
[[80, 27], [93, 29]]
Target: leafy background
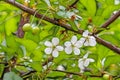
[[32, 46]]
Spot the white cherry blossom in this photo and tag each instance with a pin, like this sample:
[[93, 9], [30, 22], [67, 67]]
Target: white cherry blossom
[[88, 40], [103, 62], [53, 47], [84, 62], [73, 45], [61, 67]]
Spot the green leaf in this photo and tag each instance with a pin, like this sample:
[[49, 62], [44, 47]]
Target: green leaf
[[29, 44], [11, 40], [31, 36], [55, 73], [90, 6], [10, 26], [36, 65], [73, 25], [102, 51], [9, 52], [110, 2], [5, 6], [11, 76], [1, 37], [54, 30], [37, 54], [94, 78], [1, 69], [114, 59]]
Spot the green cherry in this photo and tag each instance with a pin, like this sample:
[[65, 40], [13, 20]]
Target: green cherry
[[106, 76], [26, 27], [35, 30]]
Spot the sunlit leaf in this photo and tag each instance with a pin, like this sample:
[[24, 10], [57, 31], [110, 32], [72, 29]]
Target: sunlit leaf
[[90, 6], [29, 44], [115, 59], [37, 66]]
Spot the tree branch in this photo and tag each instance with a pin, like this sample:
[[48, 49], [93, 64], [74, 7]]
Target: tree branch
[[107, 44], [109, 21], [66, 26], [77, 73]]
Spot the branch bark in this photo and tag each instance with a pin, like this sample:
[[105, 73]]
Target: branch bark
[[66, 26], [107, 44], [77, 73], [109, 21]]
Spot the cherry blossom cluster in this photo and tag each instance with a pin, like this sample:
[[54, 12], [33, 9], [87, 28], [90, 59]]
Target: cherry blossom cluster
[[73, 45]]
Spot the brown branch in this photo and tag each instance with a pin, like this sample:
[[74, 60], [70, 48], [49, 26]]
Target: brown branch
[[107, 44], [66, 26], [77, 73], [109, 21]]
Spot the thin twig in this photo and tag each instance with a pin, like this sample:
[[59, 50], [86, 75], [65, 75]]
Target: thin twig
[[73, 4], [46, 62]]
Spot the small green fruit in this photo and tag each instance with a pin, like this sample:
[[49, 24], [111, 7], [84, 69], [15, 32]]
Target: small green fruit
[[26, 27], [106, 76], [35, 30], [114, 69]]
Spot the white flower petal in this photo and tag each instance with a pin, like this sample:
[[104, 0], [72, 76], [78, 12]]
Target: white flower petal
[[91, 60], [48, 50], [78, 44], [76, 51], [86, 43], [59, 48], [86, 62], [80, 60], [74, 39], [91, 37], [85, 33], [55, 53], [48, 44], [82, 40], [60, 67], [67, 44], [86, 55], [55, 41], [68, 50], [80, 65], [92, 41], [45, 67], [103, 61]]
